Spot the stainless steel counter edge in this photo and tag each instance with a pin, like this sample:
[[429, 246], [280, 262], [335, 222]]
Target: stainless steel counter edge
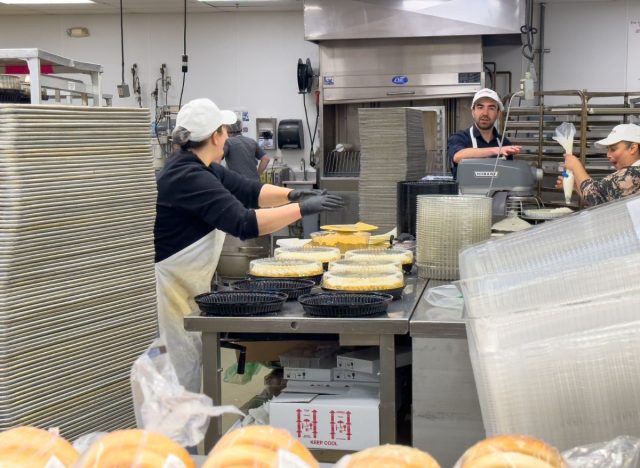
[[436, 322], [292, 319]]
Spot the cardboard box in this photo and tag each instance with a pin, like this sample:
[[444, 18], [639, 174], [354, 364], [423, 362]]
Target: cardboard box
[[306, 373], [267, 351], [354, 376], [328, 388], [362, 360], [334, 422], [368, 359]]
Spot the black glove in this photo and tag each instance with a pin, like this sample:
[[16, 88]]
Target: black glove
[[322, 202], [300, 194]]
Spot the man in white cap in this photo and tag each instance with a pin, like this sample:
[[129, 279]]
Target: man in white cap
[[481, 140], [623, 151], [198, 202]]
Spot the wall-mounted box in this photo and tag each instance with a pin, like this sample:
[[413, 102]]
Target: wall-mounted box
[[290, 134], [266, 132]]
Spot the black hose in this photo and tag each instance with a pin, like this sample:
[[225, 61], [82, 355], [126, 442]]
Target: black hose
[[184, 55], [122, 40]]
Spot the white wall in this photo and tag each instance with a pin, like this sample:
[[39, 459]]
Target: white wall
[[593, 45], [240, 60], [588, 44]]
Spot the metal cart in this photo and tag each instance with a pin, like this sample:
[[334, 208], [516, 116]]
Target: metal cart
[[373, 331], [62, 86]]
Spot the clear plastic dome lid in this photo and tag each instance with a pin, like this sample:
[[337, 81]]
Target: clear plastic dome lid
[[365, 266], [276, 267], [401, 255], [362, 281], [321, 254]]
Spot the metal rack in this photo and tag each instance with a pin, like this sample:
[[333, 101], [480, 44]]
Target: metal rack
[[532, 127], [63, 87]]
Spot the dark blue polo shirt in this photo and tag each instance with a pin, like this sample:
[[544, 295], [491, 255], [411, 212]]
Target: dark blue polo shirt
[[194, 199], [461, 140]]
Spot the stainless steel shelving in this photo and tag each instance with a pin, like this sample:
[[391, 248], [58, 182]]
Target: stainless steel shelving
[[532, 127], [63, 87]]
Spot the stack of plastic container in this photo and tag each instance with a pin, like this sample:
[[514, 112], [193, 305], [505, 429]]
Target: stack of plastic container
[[554, 329], [445, 224]]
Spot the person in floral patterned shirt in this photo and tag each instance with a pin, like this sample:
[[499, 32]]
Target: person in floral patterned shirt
[[623, 151]]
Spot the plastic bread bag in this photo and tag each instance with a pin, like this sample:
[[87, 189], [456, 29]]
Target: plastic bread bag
[[164, 406], [27, 446], [135, 447], [447, 296], [513, 451], [621, 452], [396, 456], [564, 135], [260, 446]]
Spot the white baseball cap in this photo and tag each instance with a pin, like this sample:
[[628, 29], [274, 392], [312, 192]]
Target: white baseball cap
[[487, 93], [201, 117], [622, 132]]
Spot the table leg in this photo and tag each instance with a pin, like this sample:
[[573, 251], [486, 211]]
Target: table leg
[[211, 378], [387, 389]]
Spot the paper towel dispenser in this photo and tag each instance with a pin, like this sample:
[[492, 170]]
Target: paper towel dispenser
[[290, 135]]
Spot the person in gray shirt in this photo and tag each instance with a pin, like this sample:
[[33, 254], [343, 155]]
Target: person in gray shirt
[[243, 154]]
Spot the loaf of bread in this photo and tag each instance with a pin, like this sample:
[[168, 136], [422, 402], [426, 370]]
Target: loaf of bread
[[134, 447], [30, 446], [512, 451], [392, 456], [257, 447]]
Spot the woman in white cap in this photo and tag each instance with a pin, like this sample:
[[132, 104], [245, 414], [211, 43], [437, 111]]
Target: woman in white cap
[[623, 151], [198, 202]]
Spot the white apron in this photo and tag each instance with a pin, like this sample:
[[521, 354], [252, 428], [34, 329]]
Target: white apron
[[179, 279], [474, 142]]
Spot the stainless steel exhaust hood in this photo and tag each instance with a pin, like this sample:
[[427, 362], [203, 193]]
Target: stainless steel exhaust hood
[[393, 50], [400, 69], [375, 19]]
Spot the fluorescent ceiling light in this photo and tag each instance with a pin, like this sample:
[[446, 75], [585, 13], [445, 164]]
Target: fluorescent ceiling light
[[236, 2], [44, 2]]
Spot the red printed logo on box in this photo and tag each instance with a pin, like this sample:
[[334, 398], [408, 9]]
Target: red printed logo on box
[[340, 425], [306, 423]]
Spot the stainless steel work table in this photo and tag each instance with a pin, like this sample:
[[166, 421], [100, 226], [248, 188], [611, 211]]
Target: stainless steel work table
[[445, 414], [371, 331]]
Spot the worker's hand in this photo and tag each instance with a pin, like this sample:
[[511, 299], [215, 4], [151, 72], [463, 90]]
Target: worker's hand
[[559, 182], [571, 163], [300, 194], [510, 150], [321, 202]]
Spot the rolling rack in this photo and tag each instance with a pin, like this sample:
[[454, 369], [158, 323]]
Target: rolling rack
[[533, 127], [44, 73]]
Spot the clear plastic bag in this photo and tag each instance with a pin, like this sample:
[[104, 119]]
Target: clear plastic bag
[[565, 132], [388, 455], [513, 451], [447, 296], [30, 446], [164, 406], [621, 452], [564, 135], [250, 370], [135, 447], [263, 446]]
